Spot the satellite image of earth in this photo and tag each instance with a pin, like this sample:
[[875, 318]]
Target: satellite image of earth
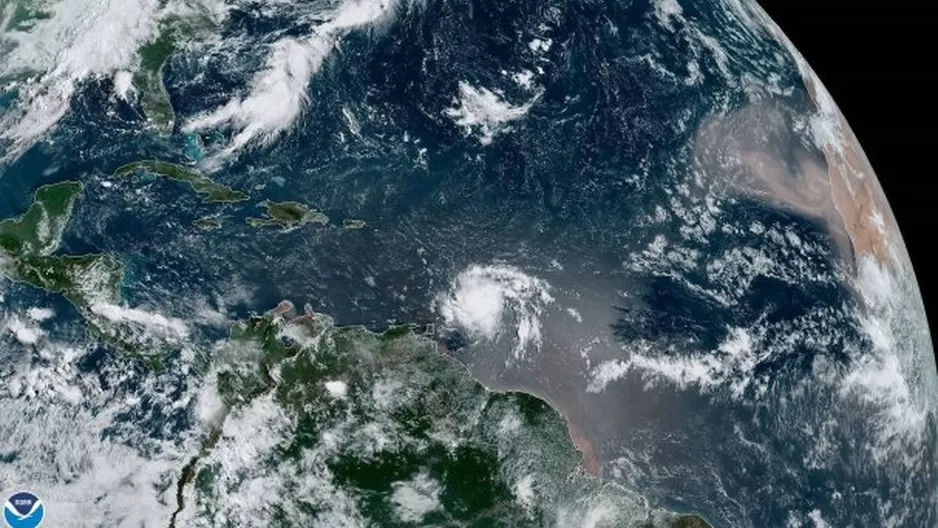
[[472, 263]]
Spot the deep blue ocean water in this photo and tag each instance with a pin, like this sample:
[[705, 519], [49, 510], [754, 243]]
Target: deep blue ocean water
[[574, 183]]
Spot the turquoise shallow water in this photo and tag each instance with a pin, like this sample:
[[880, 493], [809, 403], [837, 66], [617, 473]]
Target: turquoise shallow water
[[598, 173]]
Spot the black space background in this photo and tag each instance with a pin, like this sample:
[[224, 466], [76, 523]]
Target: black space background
[[877, 60]]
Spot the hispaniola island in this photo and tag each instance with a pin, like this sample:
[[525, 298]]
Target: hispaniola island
[[450, 264]]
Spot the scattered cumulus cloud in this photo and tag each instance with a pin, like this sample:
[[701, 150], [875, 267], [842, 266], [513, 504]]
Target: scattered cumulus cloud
[[483, 111]]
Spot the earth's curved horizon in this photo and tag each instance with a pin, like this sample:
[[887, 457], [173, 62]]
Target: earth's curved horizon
[[561, 264]]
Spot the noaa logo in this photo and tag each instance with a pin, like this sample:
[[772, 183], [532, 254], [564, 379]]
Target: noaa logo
[[23, 510]]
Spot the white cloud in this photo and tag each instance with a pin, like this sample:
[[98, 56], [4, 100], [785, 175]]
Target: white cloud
[[153, 322], [666, 10], [414, 499], [731, 365], [123, 84], [482, 299], [540, 45], [40, 314], [594, 515], [279, 92], [524, 491], [818, 521], [22, 331], [55, 418], [483, 110], [80, 40], [607, 372], [337, 389], [250, 472]]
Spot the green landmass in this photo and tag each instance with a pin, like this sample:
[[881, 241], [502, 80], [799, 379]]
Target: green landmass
[[365, 420], [287, 215], [29, 241], [213, 191], [82, 279], [17, 16], [148, 79], [208, 223], [671, 520], [689, 521], [90, 282], [351, 223], [6, 47], [360, 424], [38, 231], [22, 16]]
